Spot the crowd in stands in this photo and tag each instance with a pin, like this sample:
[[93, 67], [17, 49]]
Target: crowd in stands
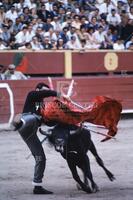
[[66, 24]]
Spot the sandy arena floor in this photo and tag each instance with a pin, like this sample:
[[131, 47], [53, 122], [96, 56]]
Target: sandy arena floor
[[16, 171]]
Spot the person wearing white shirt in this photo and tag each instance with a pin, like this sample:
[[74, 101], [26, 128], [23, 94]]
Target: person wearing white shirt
[[72, 44], [12, 74], [105, 7], [72, 32], [131, 13], [99, 37], [113, 18], [11, 14], [56, 23], [30, 4], [21, 37], [118, 45], [30, 33], [35, 44]]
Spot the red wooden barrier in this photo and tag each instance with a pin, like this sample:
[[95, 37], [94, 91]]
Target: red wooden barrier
[[53, 62], [85, 89]]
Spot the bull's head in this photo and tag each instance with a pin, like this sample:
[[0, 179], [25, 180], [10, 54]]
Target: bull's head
[[59, 136]]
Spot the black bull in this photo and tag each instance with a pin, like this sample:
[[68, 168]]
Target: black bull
[[73, 143]]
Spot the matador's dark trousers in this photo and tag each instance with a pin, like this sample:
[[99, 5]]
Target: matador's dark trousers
[[28, 131]]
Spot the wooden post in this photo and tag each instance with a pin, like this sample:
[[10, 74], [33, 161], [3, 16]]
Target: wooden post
[[68, 64]]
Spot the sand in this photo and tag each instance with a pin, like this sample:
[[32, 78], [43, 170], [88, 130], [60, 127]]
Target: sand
[[16, 171]]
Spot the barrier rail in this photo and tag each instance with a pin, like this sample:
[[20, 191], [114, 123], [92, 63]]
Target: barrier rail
[[85, 89], [68, 63]]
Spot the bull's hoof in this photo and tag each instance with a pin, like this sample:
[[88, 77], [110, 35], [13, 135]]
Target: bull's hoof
[[110, 176], [95, 188], [78, 186]]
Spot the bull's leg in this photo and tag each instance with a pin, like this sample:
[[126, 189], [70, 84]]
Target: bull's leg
[[88, 174], [100, 162], [72, 160]]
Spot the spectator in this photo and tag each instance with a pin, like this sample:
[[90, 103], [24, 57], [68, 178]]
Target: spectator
[[56, 23], [130, 46], [105, 8], [94, 23], [64, 35], [113, 18], [46, 44], [129, 42], [12, 74], [73, 32], [47, 25], [131, 13], [21, 37], [12, 14], [5, 34], [40, 17], [2, 45], [99, 37], [17, 25], [26, 47], [43, 14], [109, 39], [36, 44], [73, 44], [60, 44], [76, 22], [119, 44], [90, 39]]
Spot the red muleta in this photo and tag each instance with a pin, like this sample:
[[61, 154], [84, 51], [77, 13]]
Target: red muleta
[[103, 111]]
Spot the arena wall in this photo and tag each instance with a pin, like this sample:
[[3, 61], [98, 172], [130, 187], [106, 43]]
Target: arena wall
[[85, 89], [54, 62], [95, 73]]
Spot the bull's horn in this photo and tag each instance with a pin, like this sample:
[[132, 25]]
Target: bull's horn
[[47, 133]]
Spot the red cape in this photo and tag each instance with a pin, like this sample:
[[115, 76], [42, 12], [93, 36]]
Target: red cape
[[103, 111]]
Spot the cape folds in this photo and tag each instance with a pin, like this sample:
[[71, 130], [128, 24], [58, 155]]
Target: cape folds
[[102, 111]]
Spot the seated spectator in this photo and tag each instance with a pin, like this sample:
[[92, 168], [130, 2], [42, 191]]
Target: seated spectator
[[99, 37], [47, 44], [2, 45], [12, 74], [63, 35], [76, 22], [12, 14], [73, 44], [94, 23], [36, 44], [5, 34], [26, 47], [119, 44], [129, 42], [131, 13], [21, 37], [113, 18], [109, 39], [60, 44], [130, 46], [56, 23]]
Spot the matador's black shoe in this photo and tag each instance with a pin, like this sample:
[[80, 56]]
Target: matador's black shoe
[[41, 190]]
